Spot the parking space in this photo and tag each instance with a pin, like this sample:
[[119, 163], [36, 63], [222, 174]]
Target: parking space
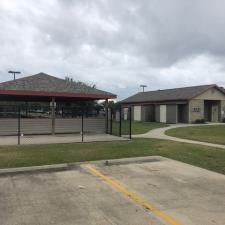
[[151, 190]]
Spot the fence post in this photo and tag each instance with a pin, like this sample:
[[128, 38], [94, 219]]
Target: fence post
[[120, 128], [82, 126], [19, 131], [130, 120]]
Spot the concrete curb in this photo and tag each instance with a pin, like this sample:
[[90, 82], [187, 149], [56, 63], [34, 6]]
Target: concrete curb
[[76, 165], [33, 169]]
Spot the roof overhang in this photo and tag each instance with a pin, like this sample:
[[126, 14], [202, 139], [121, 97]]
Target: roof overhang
[[56, 94], [179, 101]]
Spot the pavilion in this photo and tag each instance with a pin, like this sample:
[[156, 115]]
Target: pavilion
[[51, 91]]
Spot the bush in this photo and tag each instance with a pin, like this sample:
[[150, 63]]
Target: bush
[[200, 121], [223, 120]]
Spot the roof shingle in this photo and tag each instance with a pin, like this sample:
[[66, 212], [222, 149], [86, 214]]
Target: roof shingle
[[45, 83], [176, 94]]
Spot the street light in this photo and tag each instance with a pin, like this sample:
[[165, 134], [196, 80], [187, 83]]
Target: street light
[[14, 73], [143, 87]]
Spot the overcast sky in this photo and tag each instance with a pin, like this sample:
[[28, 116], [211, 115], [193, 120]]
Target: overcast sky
[[115, 44]]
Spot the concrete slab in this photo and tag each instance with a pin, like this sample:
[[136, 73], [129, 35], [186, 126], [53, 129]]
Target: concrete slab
[[189, 194], [68, 198], [58, 138]]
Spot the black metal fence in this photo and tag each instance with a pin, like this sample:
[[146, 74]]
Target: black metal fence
[[25, 123], [120, 122]]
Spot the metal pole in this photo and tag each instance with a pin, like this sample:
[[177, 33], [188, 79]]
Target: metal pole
[[130, 121], [14, 73], [82, 126], [19, 132], [120, 128], [53, 115], [111, 118], [107, 116]]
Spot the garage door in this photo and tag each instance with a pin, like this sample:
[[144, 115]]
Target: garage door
[[137, 113], [163, 113]]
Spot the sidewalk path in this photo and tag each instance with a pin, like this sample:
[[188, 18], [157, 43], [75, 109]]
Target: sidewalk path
[[159, 133]]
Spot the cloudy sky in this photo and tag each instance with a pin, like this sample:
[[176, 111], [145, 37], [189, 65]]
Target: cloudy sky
[[115, 44]]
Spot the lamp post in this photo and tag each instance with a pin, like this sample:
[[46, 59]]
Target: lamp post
[[143, 87], [14, 73]]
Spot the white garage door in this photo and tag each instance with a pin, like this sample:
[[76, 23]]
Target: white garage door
[[137, 113], [163, 113]]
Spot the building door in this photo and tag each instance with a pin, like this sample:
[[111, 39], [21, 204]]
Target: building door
[[137, 113], [215, 113], [162, 113]]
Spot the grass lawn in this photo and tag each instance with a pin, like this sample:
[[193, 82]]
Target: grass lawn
[[33, 155], [207, 133], [137, 127]]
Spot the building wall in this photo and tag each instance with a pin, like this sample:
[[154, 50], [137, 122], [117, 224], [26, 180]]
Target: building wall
[[182, 113], [171, 113], [163, 110], [222, 110], [196, 110], [147, 113], [137, 113], [211, 94], [157, 113]]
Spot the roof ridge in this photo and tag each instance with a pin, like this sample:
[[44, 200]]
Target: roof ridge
[[168, 89], [47, 83], [22, 78]]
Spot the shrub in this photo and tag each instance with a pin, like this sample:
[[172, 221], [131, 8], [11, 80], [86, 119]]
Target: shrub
[[223, 120], [200, 121]]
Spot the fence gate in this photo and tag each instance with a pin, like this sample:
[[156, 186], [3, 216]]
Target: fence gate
[[121, 122]]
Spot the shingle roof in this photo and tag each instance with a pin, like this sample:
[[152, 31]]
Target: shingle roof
[[222, 89], [44, 83], [176, 94]]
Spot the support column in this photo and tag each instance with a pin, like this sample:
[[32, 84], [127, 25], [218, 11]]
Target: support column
[[26, 109], [107, 115], [53, 115], [120, 125], [130, 121]]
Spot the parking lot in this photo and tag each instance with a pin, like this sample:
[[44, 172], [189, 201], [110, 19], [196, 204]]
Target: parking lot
[[140, 191]]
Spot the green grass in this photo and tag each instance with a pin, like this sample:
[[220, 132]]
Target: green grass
[[137, 127], [208, 133], [33, 155]]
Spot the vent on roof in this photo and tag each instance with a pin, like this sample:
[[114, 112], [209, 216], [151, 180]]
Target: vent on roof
[[69, 79]]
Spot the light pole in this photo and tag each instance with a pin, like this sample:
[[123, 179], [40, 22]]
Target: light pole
[[14, 73], [143, 87]]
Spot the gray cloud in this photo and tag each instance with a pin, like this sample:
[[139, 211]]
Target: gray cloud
[[116, 44]]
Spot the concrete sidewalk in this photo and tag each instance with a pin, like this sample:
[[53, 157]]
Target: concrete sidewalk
[[159, 133], [58, 138]]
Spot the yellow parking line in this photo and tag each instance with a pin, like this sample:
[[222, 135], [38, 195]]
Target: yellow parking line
[[133, 196]]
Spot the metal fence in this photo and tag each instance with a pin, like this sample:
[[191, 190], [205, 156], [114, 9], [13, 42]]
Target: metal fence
[[45, 124], [29, 122], [120, 122]]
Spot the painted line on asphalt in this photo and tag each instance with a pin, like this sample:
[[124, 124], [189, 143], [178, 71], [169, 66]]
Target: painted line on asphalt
[[114, 183]]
